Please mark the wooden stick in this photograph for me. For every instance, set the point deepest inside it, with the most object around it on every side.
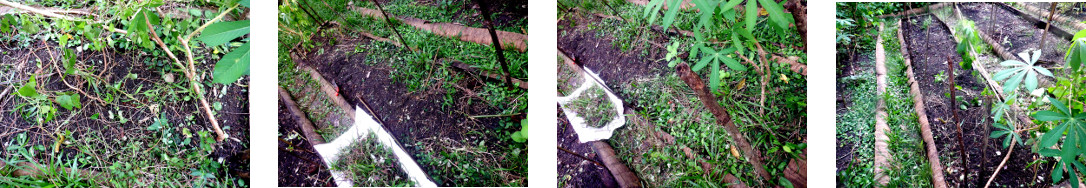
(520, 83)
(1048, 24)
(389, 22)
(1005, 158)
(957, 121)
(308, 130)
(581, 156)
(753, 155)
(484, 8)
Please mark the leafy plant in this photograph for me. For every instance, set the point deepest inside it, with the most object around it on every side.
(1006, 130)
(521, 136)
(594, 107)
(1068, 153)
(970, 40)
(236, 63)
(1076, 54)
(713, 58)
(1022, 72)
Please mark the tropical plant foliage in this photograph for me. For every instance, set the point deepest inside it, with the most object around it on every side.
(1019, 72)
(720, 15)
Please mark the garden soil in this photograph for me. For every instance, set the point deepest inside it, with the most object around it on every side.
(1014, 33)
(300, 165)
(92, 122)
(928, 49)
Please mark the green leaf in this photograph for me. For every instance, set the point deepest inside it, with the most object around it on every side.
(1004, 74)
(69, 101)
(776, 13)
(704, 59)
(28, 89)
(1077, 53)
(672, 12)
(1050, 137)
(714, 74)
(1049, 116)
(1059, 105)
(732, 64)
(1031, 81)
(751, 14)
(245, 3)
(1043, 71)
(232, 66)
(1012, 84)
(223, 32)
(69, 61)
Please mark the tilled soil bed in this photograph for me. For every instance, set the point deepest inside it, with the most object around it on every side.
(299, 162)
(426, 129)
(1015, 33)
(928, 49)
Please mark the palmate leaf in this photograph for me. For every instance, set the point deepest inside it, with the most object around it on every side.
(706, 9)
(232, 66)
(223, 32)
(1019, 72)
(1052, 136)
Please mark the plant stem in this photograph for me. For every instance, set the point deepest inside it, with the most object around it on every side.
(1047, 25)
(484, 8)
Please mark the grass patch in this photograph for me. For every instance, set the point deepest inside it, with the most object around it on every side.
(594, 106)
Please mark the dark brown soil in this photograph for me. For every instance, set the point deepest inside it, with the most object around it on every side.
(1013, 32)
(928, 50)
(582, 173)
(112, 66)
(299, 163)
(411, 117)
(599, 54)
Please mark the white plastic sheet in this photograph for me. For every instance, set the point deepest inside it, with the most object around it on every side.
(363, 125)
(586, 133)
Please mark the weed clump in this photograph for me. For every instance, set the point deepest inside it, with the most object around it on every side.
(594, 107)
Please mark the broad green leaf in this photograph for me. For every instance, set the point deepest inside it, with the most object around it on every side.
(69, 101)
(1077, 53)
(1031, 81)
(1043, 71)
(29, 90)
(1059, 105)
(1049, 116)
(738, 44)
(732, 64)
(1057, 172)
(1005, 73)
(245, 3)
(751, 14)
(1036, 56)
(232, 66)
(69, 61)
(223, 32)
(1050, 137)
(728, 6)
(1012, 84)
(707, 8)
(997, 134)
(776, 13)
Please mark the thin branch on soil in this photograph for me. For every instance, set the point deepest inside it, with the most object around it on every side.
(468, 68)
(484, 8)
(190, 72)
(1000, 167)
(581, 156)
(752, 154)
(491, 116)
(331, 91)
(307, 127)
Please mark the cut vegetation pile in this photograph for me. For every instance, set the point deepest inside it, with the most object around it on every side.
(455, 106)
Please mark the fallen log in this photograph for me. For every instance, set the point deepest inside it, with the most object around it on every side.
(308, 130)
(470, 34)
(622, 174)
(752, 155)
(1077, 24)
(937, 177)
(882, 152)
(331, 90)
(913, 11)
